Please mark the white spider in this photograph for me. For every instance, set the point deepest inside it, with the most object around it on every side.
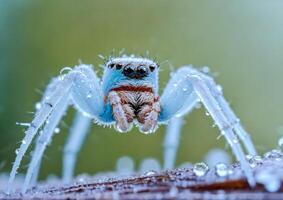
(126, 96)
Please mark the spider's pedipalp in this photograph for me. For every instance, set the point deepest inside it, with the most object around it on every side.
(78, 133)
(188, 86)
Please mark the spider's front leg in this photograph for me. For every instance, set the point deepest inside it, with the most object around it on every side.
(185, 89)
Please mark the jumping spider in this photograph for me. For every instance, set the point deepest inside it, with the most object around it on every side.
(127, 96)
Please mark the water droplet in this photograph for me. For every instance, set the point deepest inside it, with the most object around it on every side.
(274, 154)
(219, 88)
(175, 84)
(235, 141)
(17, 151)
(221, 169)
(47, 122)
(24, 142)
(207, 114)
(150, 173)
(65, 70)
(57, 130)
(89, 95)
(37, 106)
(254, 160)
(205, 69)
(185, 89)
(81, 180)
(200, 169)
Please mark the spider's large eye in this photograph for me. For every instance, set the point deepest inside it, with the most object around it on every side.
(119, 66)
(111, 65)
(152, 68)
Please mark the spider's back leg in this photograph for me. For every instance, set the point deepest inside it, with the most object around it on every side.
(78, 133)
(188, 86)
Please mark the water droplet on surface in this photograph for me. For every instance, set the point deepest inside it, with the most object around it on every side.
(207, 114)
(205, 69)
(254, 160)
(185, 89)
(17, 151)
(219, 88)
(89, 95)
(57, 130)
(200, 169)
(150, 173)
(221, 169)
(65, 70)
(274, 154)
(175, 84)
(37, 106)
(24, 142)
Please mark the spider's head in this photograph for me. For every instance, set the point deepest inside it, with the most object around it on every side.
(130, 70)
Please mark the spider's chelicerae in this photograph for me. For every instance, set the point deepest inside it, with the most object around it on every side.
(127, 96)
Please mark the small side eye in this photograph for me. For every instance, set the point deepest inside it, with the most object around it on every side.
(152, 68)
(111, 65)
(119, 66)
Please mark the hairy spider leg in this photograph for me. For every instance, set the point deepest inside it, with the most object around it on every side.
(44, 139)
(83, 86)
(187, 82)
(175, 91)
(171, 142)
(239, 130)
(226, 128)
(47, 106)
(78, 133)
(35, 173)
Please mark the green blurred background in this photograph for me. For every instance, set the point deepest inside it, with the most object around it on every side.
(242, 41)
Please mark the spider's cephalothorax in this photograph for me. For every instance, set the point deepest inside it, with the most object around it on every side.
(128, 94)
(130, 87)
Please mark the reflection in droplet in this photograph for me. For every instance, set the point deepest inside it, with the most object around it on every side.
(200, 169)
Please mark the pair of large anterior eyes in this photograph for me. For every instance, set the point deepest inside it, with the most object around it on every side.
(120, 66)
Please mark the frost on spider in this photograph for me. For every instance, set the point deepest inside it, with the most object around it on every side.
(125, 97)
